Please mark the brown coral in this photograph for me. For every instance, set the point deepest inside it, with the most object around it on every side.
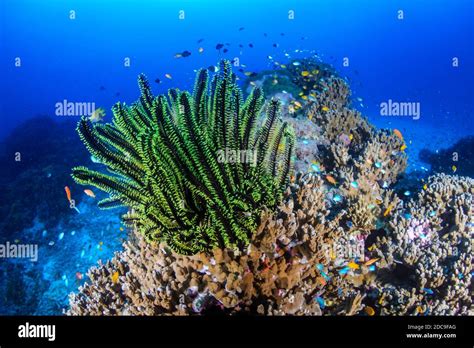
(342, 240)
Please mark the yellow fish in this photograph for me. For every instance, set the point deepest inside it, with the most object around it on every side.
(388, 210)
(425, 187)
(369, 310)
(305, 73)
(381, 298)
(315, 72)
(351, 136)
(325, 108)
(454, 168)
(403, 147)
(304, 97)
(353, 265)
(372, 247)
(298, 104)
(300, 94)
(115, 277)
(419, 309)
(168, 76)
(98, 115)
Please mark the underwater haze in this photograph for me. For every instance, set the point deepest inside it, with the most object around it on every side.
(414, 55)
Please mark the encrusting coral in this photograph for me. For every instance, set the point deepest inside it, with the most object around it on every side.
(343, 241)
(168, 162)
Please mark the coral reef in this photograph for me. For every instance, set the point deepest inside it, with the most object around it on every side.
(169, 162)
(343, 241)
(297, 81)
(276, 274)
(304, 261)
(427, 246)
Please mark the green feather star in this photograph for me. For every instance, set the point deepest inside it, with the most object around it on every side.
(164, 157)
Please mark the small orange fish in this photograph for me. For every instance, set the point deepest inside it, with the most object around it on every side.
(398, 134)
(331, 179)
(115, 277)
(322, 280)
(369, 310)
(68, 193)
(371, 261)
(89, 193)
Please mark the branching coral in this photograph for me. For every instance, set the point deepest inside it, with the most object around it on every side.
(167, 163)
(427, 247)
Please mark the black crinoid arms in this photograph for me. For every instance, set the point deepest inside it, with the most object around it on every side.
(195, 170)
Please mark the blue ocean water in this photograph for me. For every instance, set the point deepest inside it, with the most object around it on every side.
(92, 51)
